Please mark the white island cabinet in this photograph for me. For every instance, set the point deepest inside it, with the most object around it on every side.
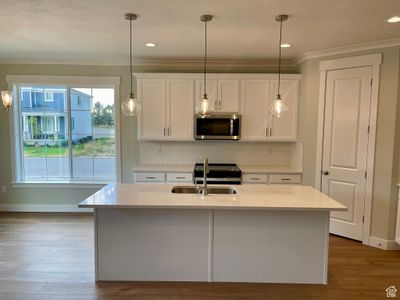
(264, 233)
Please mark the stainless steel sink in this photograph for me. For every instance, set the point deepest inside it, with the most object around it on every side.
(211, 190)
(185, 190)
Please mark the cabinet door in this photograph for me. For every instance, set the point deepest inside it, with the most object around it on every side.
(255, 94)
(285, 127)
(212, 93)
(148, 177)
(180, 111)
(228, 95)
(152, 122)
(285, 178)
(255, 178)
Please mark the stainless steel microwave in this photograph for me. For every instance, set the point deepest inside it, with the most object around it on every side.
(217, 126)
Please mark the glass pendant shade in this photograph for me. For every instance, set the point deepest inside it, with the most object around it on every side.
(7, 98)
(130, 106)
(278, 107)
(203, 107)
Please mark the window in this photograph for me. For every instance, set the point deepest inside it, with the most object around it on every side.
(72, 138)
(48, 96)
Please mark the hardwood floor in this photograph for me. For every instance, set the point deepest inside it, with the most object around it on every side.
(50, 256)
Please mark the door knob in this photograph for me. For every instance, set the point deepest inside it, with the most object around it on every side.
(325, 173)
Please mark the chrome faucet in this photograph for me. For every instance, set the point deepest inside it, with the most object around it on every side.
(205, 172)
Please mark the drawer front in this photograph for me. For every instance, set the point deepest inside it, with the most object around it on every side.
(255, 178)
(179, 177)
(149, 177)
(285, 178)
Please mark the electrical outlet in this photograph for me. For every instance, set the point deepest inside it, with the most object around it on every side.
(4, 189)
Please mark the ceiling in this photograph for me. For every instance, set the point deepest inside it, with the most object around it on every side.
(95, 31)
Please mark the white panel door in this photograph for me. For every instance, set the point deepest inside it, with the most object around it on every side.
(347, 103)
(285, 127)
(228, 95)
(254, 111)
(212, 93)
(180, 111)
(151, 92)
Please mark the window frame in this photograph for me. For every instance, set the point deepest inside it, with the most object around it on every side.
(48, 99)
(16, 81)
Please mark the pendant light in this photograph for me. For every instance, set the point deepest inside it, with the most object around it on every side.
(203, 107)
(130, 106)
(7, 98)
(278, 105)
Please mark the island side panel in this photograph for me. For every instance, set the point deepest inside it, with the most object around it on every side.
(152, 244)
(270, 246)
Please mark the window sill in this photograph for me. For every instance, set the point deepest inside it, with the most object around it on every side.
(59, 184)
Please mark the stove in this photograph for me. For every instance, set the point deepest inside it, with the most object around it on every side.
(218, 173)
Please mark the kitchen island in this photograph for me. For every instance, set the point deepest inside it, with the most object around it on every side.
(264, 233)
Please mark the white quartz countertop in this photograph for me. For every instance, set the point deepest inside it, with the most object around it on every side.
(243, 167)
(249, 196)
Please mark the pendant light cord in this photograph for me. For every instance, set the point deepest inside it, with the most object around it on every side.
(280, 57)
(205, 59)
(130, 54)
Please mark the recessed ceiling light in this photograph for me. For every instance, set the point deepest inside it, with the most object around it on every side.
(286, 45)
(394, 19)
(150, 44)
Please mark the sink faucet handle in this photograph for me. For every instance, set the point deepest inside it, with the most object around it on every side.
(206, 169)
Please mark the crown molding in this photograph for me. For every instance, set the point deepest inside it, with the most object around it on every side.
(347, 49)
(184, 65)
(212, 65)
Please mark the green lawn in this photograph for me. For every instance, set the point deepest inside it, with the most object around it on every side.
(102, 147)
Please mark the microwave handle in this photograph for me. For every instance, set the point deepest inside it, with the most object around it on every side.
(231, 128)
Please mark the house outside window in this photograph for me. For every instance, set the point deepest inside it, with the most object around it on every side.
(71, 138)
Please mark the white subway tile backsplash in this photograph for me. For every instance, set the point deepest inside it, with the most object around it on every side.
(273, 154)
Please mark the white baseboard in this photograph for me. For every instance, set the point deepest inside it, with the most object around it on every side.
(383, 244)
(8, 207)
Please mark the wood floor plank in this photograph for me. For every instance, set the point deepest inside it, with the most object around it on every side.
(50, 257)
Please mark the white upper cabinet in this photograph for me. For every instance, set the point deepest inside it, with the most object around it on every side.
(180, 100)
(167, 109)
(285, 127)
(152, 119)
(257, 122)
(223, 94)
(228, 95)
(255, 100)
(168, 104)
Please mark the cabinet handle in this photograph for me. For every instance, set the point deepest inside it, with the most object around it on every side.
(169, 130)
(270, 132)
(255, 178)
(266, 131)
(285, 179)
(150, 177)
(219, 104)
(164, 131)
(180, 177)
